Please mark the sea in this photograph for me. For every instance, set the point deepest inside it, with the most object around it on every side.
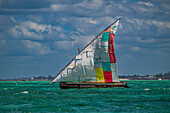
(143, 96)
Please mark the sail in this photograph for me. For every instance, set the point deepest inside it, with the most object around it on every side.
(95, 63)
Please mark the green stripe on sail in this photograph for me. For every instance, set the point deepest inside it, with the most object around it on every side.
(104, 46)
(97, 62)
(114, 26)
(105, 36)
(91, 64)
(106, 66)
(85, 69)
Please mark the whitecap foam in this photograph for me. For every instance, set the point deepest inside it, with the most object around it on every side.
(25, 92)
(146, 89)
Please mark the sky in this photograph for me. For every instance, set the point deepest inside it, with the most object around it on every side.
(39, 37)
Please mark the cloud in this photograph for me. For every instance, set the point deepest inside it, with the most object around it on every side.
(166, 44)
(35, 48)
(161, 24)
(13, 20)
(146, 40)
(93, 4)
(87, 25)
(141, 26)
(35, 18)
(3, 44)
(82, 25)
(63, 45)
(135, 49)
(118, 46)
(93, 21)
(31, 30)
(5, 22)
(59, 7)
(82, 41)
(146, 4)
(165, 6)
(58, 28)
(83, 8)
(38, 28)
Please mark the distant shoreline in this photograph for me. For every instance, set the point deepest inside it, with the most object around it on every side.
(119, 79)
(159, 76)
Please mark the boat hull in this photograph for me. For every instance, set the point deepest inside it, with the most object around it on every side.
(81, 85)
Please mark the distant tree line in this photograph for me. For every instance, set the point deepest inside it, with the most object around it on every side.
(161, 75)
(43, 77)
(156, 76)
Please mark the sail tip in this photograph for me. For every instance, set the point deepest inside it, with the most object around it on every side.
(119, 18)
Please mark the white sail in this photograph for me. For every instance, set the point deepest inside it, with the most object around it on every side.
(95, 63)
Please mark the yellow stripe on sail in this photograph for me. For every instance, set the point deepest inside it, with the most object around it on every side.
(99, 74)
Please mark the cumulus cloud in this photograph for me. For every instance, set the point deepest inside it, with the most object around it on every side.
(83, 40)
(145, 26)
(135, 49)
(35, 48)
(94, 4)
(6, 22)
(161, 24)
(54, 7)
(82, 8)
(63, 45)
(13, 20)
(58, 28)
(35, 18)
(83, 25)
(59, 7)
(31, 30)
(93, 21)
(146, 4)
(88, 8)
(146, 40)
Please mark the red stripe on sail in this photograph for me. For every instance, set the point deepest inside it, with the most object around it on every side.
(108, 76)
(111, 48)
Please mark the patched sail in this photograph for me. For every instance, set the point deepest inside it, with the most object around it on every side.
(95, 63)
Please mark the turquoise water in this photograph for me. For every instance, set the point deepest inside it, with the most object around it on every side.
(40, 96)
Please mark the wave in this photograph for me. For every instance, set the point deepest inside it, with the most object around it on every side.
(25, 92)
(146, 89)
